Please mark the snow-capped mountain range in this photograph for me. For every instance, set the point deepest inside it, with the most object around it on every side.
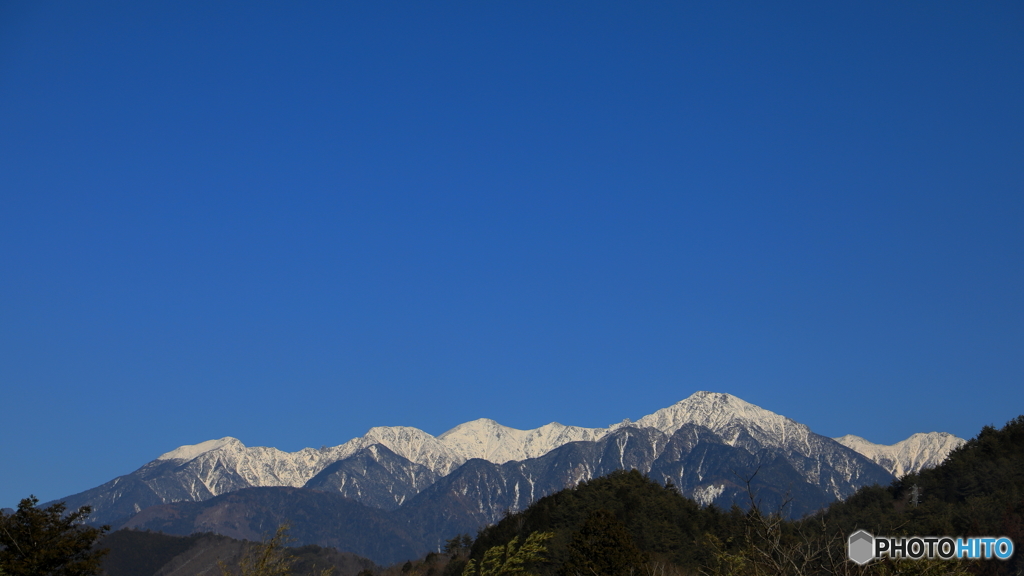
(473, 473)
(226, 464)
(221, 466)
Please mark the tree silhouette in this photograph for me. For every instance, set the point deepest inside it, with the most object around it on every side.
(48, 542)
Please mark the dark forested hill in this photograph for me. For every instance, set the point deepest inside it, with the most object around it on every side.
(144, 553)
(659, 522)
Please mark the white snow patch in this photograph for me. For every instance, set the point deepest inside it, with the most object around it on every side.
(194, 450)
(486, 439)
(705, 495)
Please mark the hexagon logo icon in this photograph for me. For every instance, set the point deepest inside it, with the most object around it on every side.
(860, 547)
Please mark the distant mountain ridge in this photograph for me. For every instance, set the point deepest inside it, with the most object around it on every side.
(908, 456)
(486, 439)
(709, 446)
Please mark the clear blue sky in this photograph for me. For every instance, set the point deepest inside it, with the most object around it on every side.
(289, 222)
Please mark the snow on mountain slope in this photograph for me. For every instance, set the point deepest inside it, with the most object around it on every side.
(413, 444)
(728, 416)
(907, 456)
(191, 451)
(486, 439)
(481, 438)
(224, 465)
(821, 461)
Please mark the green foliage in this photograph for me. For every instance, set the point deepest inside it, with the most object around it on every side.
(511, 559)
(48, 542)
(457, 549)
(455, 567)
(603, 546)
(722, 561)
(458, 545)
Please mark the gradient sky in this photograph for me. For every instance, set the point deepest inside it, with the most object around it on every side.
(289, 222)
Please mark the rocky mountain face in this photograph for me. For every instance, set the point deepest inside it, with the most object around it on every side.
(407, 486)
(375, 476)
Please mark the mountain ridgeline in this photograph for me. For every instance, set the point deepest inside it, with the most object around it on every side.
(408, 491)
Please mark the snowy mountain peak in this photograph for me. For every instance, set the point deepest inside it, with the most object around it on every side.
(487, 439)
(192, 451)
(906, 456)
(393, 434)
(412, 444)
(625, 422)
(719, 412)
(480, 425)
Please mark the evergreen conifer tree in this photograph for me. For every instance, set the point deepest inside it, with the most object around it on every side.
(603, 546)
(48, 542)
(511, 559)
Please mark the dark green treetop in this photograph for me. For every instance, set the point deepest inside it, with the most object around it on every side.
(47, 542)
